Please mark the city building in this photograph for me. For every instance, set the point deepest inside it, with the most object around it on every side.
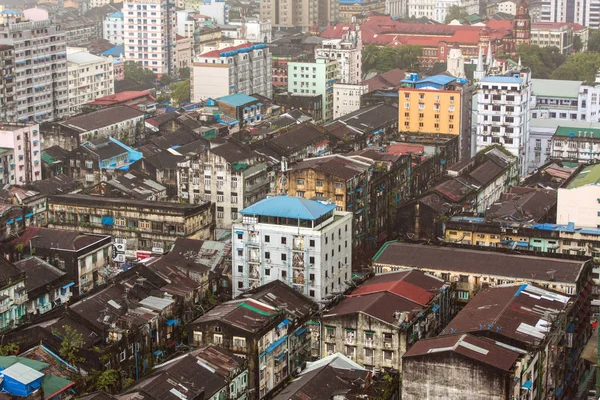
(184, 50)
(578, 198)
(47, 286)
(141, 99)
(312, 78)
(473, 270)
(139, 227)
(351, 11)
(299, 13)
(216, 10)
(255, 30)
(20, 154)
(13, 306)
(295, 240)
(84, 257)
(149, 28)
(123, 123)
(267, 327)
(576, 144)
(112, 28)
(90, 77)
(131, 185)
(245, 68)
(382, 318)
(40, 69)
(503, 114)
(26, 376)
(346, 98)
(436, 107)
(506, 7)
(586, 13)
(230, 175)
(347, 52)
(395, 8)
(565, 100)
(8, 104)
(553, 34)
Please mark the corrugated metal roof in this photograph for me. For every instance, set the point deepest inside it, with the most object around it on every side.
(555, 88)
(22, 373)
(156, 303)
(289, 207)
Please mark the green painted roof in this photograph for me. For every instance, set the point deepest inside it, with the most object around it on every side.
(568, 131)
(53, 384)
(7, 361)
(555, 88)
(589, 175)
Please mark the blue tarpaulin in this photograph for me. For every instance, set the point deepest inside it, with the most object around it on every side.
(280, 357)
(10, 222)
(283, 323)
(158, 353)
(68, 285)
(108, 220)
(19, 219)
(28, 215)
(275, 344)
(527, 385)
(300, 331)
(171, 322)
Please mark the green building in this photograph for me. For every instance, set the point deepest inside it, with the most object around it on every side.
(310, 78)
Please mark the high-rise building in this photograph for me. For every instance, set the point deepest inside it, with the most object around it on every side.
(243, 69)
(503, 113)
(8, 105)
(112, 28)
(299, 13)
(90, 77)
(395, 8)
(347, 52)
(149, 28)
(20, 154)
(584, 12)
(304, 243)
(310, 78)
(40, 69)
(218, 10)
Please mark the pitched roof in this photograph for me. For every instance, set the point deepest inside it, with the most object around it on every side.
(233, 152)
(297, 139)
(523, 204)
(519, 312)
(336, 165)
(101, 118)
(368, 119)
(121, 97)
(289, 207)
(247, 314)
(237, 99)
(479, 349)
(39, 273)
(444, 258)
(279, 295)
(47, 238)
(385, 80)
(555, 88)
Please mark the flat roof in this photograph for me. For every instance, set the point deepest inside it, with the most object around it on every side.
(237, 99)
(575, 132)
(289, 207)
(445, 258)
(589, 175)
(83, 57)
(555, 88)
(502, 79)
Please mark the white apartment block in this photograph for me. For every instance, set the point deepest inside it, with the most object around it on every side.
(584, 12)
(304, 243)
(186, 25)
(255, 30)
(565, 100)
(220, 175)
(90, 77)
(112, 28)
(553, 34)
(217, 10)
(579, 199)
(503, 114)
(240, 69)
(20, 154)
(149, 28)
(577, 144)
(347, 52)
(438, 9)
(507, 7)
(346, 98)
(395, 8)
(40, 69)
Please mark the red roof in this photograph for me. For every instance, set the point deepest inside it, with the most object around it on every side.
(577, 27)
(217, 53)
(549, 25)
(405, 148)
(121, 97)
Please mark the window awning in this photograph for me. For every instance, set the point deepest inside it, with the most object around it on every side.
(275, 344)
(300, 331)
(10, 222)
(158, 353)
(19, 219)
(281, 356)
(283, 323)
(171, 322)
(68, 285)
(527, 385)
(28, 215)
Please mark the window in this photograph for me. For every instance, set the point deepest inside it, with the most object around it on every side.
(311, 260)
(267, 238)
(388, 355)
(240, 268)
(218, 338)
(267, 255)
(197, 338)
(283, 257)
(283, 240)
(311, 293)
(463, 295)
(240, 235)
(300, 193)
(311, 243)
(300, 182)
(267, 272)
(319, 183)
(123, 355)
(239, 341)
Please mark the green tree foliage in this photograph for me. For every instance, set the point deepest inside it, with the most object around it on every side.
(9, 350)
(577, 43)
(138, 73)
(542, 60)
(180, 92)
(594, 41)
(579, 67)
(108, 381)
(72, 341)
(455, 12)
(376, 59)
(165, 79)
(184, 73)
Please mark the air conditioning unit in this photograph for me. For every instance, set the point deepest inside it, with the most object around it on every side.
(387, 345)
(456, 279)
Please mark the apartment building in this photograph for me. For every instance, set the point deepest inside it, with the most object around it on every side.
(576, 144)
(229, 175)
(503, 114)
(346, 98)
(437, 10)
(149, 28)
(140, 227)
(13, 306)
(20, 154)
(300, 13)
(41, 89)
(216, 10)
(8, 104)
(112, 28)
(379, 321)
(586, 13)
(184, 50)
(565, 100)
(350, 11)
(446, 98)
(90, 77)
(395, 8)
(295, 240)
(347, 52)
(314, 78)
(553, 34)
(245, 68)
(578, 198)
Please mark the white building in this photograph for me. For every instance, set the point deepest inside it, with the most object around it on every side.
(218, 10)
(577, 144)
(20, 154)
(240, 69)
(90, 77)
(552, 34)
(347, 52)
(40, 69)
(255, 30)
(438, 9)
(230, 176)
(149, 34)
(346, 98)
(584, 12)
(305, 243)
(578, 199)
(503, 105)
(112, 28)
(565, 100)
(507, 7)
(186, 25)
(395, 8)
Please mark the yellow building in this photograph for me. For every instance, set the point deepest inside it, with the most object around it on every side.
(360, 10)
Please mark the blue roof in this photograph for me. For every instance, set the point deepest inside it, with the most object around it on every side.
(289, 207)
(570, 228)
(117, 14)
(438, 79)
(10, 12)
(114, 51)
(502, 79)
(237, 99)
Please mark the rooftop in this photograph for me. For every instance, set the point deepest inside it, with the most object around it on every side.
(521, 313)
(523, 204)
(578, 132)
(555, 88)
(247, 314)
(137, 186)
(237, 99)
(336, 165)
(39, 274)
(84, 57)
(121, 97)
(480, 262)
(588, 175)
(289, 207)
(233, 152)
(369, 119)
(482, 350)
(281, 296)
(101, 118)
(502, 79)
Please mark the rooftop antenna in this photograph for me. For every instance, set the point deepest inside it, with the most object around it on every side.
(283, 179)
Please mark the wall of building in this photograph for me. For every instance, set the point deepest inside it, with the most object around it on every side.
(580, 206)
(429, 111)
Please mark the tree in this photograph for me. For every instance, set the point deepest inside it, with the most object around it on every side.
(541, 60)
(184, 73)
(108, 381)
(9, 350)
(383, 59)
(165, 79)
(579, 67)
(72, 341)
(369, 57)
(455, 12)
(577, 43)
(138, 73)
(594, 41)
(180, 92)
